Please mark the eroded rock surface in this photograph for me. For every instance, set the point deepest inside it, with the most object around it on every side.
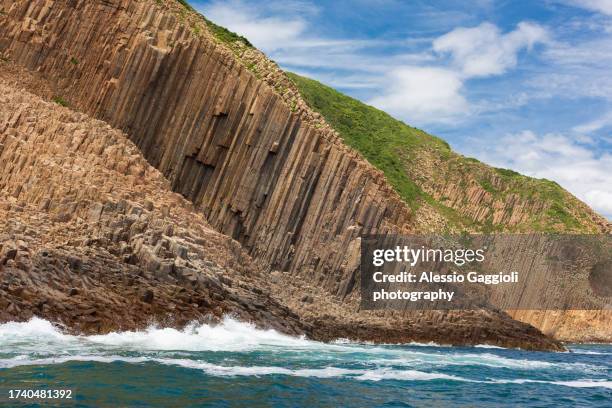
(263, 170)
(260, 170)
(92, 237)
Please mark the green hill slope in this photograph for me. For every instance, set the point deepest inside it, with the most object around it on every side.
(446, 191)
(453, 191)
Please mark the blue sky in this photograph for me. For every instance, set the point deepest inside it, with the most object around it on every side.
(525, 84)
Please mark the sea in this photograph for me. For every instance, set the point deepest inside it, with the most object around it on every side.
(234, 364)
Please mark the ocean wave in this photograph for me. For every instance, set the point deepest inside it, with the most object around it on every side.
(595, 353)
(481, 359)
(582, 383)
(38, 339)
(229, 335)
(489, 346)
(378, 374)
(232, 371)
(35, 328)
(407, 375)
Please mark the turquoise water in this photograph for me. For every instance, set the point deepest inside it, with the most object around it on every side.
(234, 364)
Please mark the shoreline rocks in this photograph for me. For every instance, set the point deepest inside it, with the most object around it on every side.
(92, 237)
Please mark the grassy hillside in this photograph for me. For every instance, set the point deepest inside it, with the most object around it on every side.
(446, 190)
(424, 171)
(380, 138)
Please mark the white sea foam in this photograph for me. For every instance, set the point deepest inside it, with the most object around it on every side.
(585, 383)
(489, 346)
(596, 353)
(377, 374)
(482, 359)
(38, 342)
(34, 328)
(229, 335)
(406, 375)
(232, 371)
(428, 344)
(582, 383)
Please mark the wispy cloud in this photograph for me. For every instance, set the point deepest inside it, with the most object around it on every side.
(422, 93)
(286, 32)
(595, 125)
(416, 80)
(434, 92)
(276, 25)
(484, 50)
(600, 6)
(462, 70)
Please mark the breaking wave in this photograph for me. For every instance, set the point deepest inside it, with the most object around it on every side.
(197, 347)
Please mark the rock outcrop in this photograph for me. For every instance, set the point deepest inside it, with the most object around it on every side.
(453, 193)
(294, 195)
(265, 171)
(92, 237)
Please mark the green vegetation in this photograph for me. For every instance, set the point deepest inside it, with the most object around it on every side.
(398, 149)
(487, 186)
(60, 101)
(74, 61)
(186, 5)
(420, 166)
(221, 33)
(224, 35)
(507, 172)
(381, 139)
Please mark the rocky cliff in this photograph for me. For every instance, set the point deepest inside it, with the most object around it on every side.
(92, 237)
(231, 134)
(448, 192)
(293, 194)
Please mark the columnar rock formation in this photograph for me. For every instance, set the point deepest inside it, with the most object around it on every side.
(292, 194)
(92, 237)
(259, 166)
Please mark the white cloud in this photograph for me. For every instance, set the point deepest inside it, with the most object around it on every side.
(578, 168)
(600, 6)
(418, 86)
(268, 32)
(284, 30)
(422, 93)
(594, 125)
(424, 80)
(580, 69)
(601, 200)
(433, 93)
(484, 50)
(595, 53)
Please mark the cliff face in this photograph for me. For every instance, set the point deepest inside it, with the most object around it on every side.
(486, 199)
(230, 134)
(449, 192)
(292, 194)
(91, 235)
